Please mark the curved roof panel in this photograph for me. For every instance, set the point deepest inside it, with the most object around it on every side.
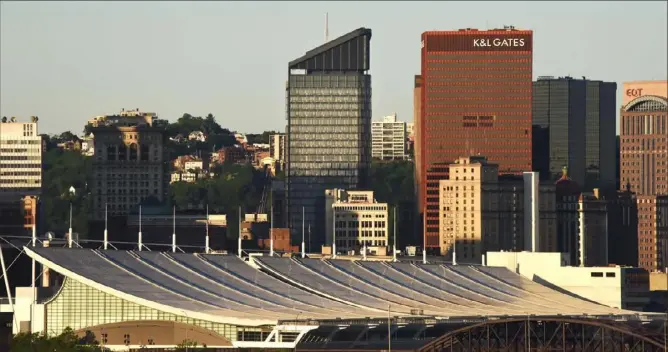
(223, 288)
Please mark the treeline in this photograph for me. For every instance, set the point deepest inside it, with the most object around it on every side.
(68, 341)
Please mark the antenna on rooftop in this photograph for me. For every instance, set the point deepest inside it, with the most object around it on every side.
(326, 27)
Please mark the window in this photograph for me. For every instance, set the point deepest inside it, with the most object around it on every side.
(596, 274)
(609, 274)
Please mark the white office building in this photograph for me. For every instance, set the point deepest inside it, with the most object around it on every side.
(20, 158)
(357, 220)
(388, 139)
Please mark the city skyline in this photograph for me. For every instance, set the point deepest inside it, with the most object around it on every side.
(78, 81)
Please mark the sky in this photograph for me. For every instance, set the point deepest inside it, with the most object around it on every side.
(67, 62)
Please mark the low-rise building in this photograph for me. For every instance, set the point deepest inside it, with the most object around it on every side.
(197, 136)
(613, 286)
(233, 154)
(354, 219)
(189, 170)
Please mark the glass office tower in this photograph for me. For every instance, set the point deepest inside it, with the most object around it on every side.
(574, 126)
(328, 100)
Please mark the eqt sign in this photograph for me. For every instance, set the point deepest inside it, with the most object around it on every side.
(634, 92)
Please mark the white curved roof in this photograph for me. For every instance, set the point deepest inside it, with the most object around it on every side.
(223, 288)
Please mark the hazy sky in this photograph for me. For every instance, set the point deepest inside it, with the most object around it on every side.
(69, 61)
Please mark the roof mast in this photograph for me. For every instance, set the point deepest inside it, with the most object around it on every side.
(326, 27)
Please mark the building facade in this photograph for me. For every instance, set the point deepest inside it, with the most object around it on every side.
(480, 212)
(652, 232)
(130, 163)
(612, 286)
(328, 97)
(644, 144)
(574, 126)
(388, 139)
(623, 229)
(644, 165)
(20, 159)
(355, 220)
(277, 147)
(475, 100)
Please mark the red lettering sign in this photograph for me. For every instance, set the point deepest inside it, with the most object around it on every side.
(634, 92)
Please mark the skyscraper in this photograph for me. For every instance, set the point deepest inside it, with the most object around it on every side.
(644, 148)
(643, 139)
(574, 127)
(328, 97)
(475, 92)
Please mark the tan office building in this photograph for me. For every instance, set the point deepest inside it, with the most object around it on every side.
(357, 220)
(480, 212)
(20, 159)
(130, 162)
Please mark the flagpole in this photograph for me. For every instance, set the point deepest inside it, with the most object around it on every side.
(106, 234)
(239, 244)
(271, 225)
(140, 239)
(174, 229)
(206, 244)
(394, 251)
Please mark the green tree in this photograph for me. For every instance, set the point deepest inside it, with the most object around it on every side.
(231, 187)
(62, 170)
(67, 341)
(189, 346)
(393, 183)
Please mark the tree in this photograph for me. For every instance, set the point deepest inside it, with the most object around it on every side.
(393, 182)
(189, 346)
(262, 138)
(62, 170)
(67, 341)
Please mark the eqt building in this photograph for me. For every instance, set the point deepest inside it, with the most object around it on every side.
(474, 98)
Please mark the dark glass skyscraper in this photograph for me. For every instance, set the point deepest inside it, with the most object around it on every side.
(328, 98)
(574, 127)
